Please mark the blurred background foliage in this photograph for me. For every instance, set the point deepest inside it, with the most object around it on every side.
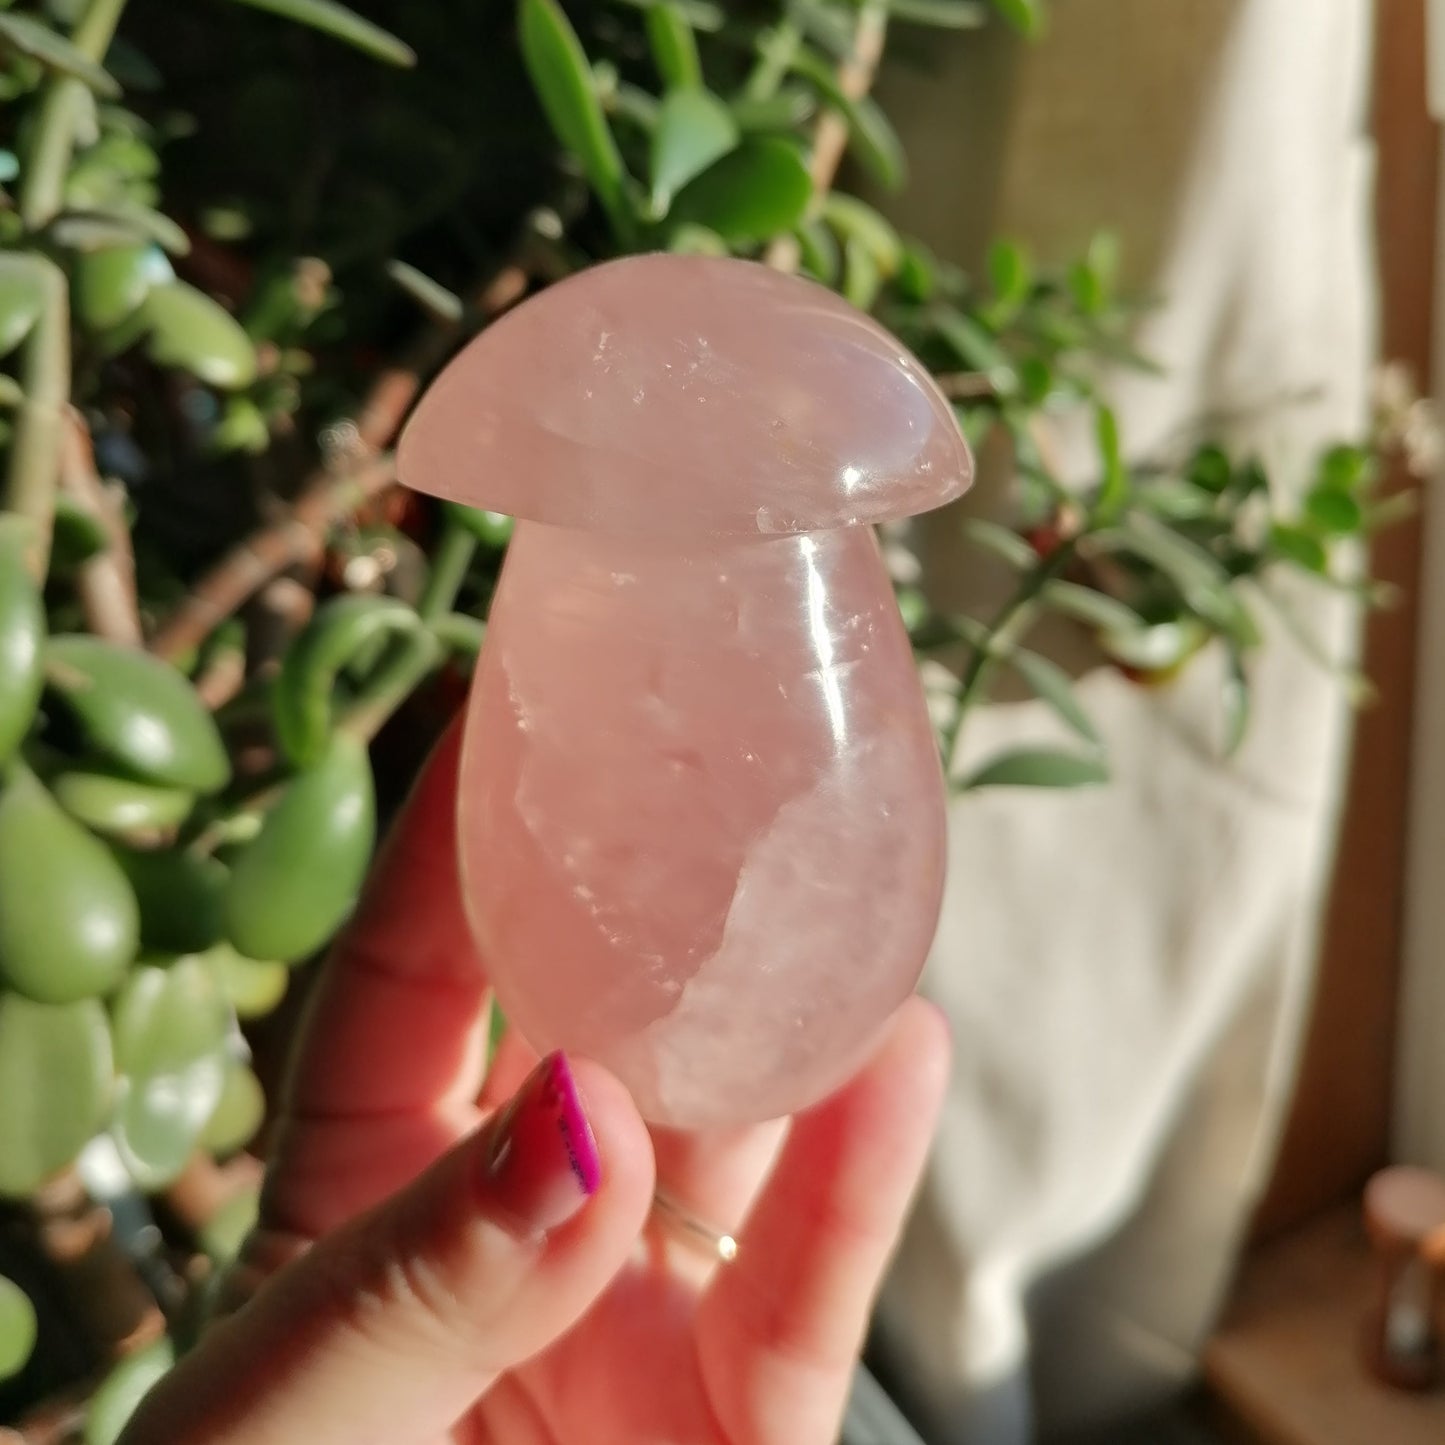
(238, 238)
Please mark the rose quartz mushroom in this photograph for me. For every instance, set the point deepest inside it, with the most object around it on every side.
(701, 814)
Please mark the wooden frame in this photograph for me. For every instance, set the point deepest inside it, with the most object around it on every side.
(1340, 1126)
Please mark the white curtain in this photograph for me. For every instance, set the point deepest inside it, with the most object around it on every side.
(1128, 969)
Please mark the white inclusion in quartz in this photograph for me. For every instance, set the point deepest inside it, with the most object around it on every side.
(795, 944)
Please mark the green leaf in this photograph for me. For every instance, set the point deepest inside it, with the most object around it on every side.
(79, 536)
(1011, 273)
(110, 285)
(1334, 511)
(225, 1231)
(860, 274)
(917, 272)
(300, 877)
(1026, 16)
(242, 428)
(1201, 581)
(1345, 468)
(1038, 768)
(1210, 470)
(693, 240)
(187, 329)
(632, 103)
(871, 137)
(171, 1026)
(1159, 647)
(69, 922)
(1300, 547)
(22, 298)
(674, 47)
(121, 1392)
(755, 192)
(341, 24)
(977, 348)
(694, 129)
(785, 110)
(818, 249)
(118, 805)
(1002, 542)
(139, 711)
(945, 14)
(850, 217)
(875, 145)
(1236, 700)
(253, 987)
(563, 81)
(37, 40)
(1095, 609)
(118, 223)
(238, 1113)
(1114, 486)
(181, 895)
(17, 1328)
(55, 1086)
(913, 608)
(1053, 686)
(702, 15)
(1176, 500)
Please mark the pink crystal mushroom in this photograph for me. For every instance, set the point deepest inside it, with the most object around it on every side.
(701, 814)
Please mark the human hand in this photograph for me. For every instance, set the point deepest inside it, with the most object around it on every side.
(431, 1266)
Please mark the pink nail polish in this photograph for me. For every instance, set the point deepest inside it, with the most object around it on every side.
(543, 1164)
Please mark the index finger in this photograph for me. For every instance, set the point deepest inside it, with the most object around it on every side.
(392, 1050)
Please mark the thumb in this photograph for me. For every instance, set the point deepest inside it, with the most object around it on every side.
(390, 1329)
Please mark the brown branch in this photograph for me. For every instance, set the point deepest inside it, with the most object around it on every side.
(964, 385)
(326, 498)
(106, 582)
(830, 138)
(269, 551)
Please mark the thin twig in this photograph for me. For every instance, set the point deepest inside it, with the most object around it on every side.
(830, 139)
(964, 385)
(271, 550)
(326, 498)
(106, 582)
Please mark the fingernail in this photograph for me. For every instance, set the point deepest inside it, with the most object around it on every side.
(543, 1164)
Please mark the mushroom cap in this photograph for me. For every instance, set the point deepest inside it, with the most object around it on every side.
(686, 396)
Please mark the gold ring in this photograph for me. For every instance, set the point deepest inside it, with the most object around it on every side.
(693, 1229)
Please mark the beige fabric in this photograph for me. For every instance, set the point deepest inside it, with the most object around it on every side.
(1127, 969)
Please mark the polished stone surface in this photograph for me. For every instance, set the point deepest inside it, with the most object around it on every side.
(701, 813)
(686, 395)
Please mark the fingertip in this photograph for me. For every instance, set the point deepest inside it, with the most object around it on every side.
(623, 1142)
(926, 1033)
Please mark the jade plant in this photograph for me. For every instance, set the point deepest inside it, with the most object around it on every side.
(217, 604)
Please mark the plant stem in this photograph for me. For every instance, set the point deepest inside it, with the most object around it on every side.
(411, 658)
(1008, 624)
(106, 582)
(45, 380)
(45, 360)
(43, 190)
(776, 55)
(830, 139)
(454, 555)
